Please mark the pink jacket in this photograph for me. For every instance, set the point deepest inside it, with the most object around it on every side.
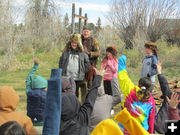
(111, 67)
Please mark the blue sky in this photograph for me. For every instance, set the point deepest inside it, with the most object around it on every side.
(94, 9)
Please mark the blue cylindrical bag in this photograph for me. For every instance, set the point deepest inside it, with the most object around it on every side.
(52, 116)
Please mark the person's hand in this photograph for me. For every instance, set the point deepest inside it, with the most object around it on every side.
(36, 60)
(101, 72)
(173, 102)
(109, 62)
(159, 68)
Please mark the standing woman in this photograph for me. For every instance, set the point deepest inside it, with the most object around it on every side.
(74, 62)
(110, 65)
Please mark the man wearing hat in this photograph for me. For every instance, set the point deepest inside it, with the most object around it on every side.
(91, 47)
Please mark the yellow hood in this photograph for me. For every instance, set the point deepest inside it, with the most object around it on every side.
(107, 127)
(8, 99)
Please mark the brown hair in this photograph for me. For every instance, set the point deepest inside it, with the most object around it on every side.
(145, 85)
(152, 46)
(112, 50)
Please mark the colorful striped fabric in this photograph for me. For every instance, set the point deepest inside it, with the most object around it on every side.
(143, 112)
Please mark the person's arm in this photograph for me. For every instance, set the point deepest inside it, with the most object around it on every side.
(153, 70)
(61, 61)
(151, 118)
(28, 127)
(116, 97)
(130, 123)
(172, 108)
(104, 64)
(96, 51)
(125, 83)
(87, 108)
(163, 82)
(164, 86)
(31, 75)
(113, 65)
(86, 62)
(173, 113)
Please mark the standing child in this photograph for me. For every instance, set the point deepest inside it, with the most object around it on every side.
(36, 95)
(149, 65)
(137, 99)
(110, 65)
(75, 63)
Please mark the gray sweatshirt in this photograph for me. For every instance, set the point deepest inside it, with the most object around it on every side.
(104, 104)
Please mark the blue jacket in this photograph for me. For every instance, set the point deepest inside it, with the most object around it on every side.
(149, 67)
(36, 100)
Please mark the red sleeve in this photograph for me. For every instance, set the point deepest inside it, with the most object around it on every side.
(152, 118)
(173, 113)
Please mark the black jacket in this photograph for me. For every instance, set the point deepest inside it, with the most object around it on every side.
(74, 117)
(162, 115)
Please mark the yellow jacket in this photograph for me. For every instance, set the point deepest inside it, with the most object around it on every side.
(109, 127)
(8, 103)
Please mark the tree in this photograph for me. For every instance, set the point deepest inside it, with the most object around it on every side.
(66, 20)
(136, 18)
(43, 24)
(98, 23)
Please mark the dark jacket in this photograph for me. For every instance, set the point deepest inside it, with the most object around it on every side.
(162, 115)
(36, 100)
(74, 117)
(83, 62)
(91, 45)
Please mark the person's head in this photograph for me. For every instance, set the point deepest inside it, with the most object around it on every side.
(101, 91)
(9, 99)
(145, 86)
(11, 128)
(75, 41)
(68, 85)
(86, 32)
(150, 48)
(39, 82)
(111, 51)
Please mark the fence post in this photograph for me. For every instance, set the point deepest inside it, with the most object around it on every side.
(73, 18)
(80, 13)
(85, 21)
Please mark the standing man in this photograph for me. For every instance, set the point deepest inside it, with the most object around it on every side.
(91, 47)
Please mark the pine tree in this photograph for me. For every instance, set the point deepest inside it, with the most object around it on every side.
(99, 23)
(66, 20)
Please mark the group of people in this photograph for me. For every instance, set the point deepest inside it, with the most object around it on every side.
(61, 111)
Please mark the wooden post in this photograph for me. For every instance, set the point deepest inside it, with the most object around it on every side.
(80, 13)
(85, 21)
(73, 18)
